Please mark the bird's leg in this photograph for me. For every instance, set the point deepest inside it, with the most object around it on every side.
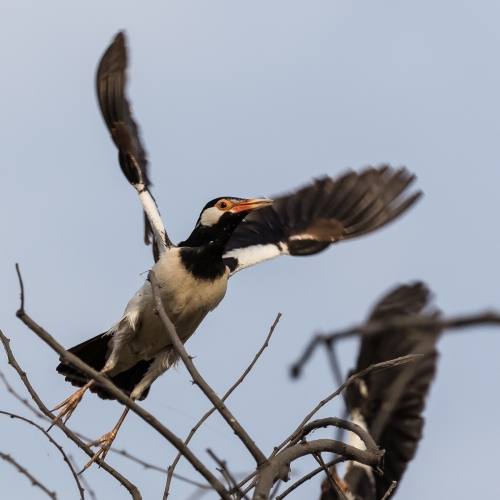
(107, 441)
(69, 405)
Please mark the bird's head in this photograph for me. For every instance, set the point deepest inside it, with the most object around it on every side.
(220, 217)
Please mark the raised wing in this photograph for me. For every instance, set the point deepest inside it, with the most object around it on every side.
(389, 403)
(329, 210)
(115, 108)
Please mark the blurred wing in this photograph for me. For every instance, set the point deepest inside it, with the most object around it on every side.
(115, 108)
(389, 403)
(307, 221)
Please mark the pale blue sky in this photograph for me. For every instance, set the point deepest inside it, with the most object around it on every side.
(247, 99)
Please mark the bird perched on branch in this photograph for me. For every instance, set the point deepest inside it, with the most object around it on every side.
(193, 275)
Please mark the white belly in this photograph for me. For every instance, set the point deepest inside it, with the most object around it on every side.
(186, 299)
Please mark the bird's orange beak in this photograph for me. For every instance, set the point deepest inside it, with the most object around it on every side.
(249, 205)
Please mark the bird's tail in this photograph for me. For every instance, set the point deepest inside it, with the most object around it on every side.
(93, 352)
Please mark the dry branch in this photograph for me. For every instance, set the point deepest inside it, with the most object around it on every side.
(25, 471)
(210, 412)
(372, 368)
(123, 453)
(247, 441)
(402, 324)
(132, 489)
(122, 398)
(305, 478)
(55, 443)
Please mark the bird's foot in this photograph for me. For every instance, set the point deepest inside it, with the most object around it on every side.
(69, 405)
(106, 441)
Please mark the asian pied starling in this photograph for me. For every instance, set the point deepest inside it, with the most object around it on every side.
(193, 275)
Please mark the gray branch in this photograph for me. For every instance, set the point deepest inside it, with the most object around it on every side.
(401, 324)
(210, 412)
(23, 470)
(259, 457)
(132, 489)
(55, 443)
(105, 382)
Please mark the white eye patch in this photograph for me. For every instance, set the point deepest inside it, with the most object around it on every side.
(210, 216)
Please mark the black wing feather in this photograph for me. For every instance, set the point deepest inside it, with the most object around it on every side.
(392, 401)
(111, 82)
(307, 221)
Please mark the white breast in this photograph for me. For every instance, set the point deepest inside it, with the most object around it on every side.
(186, 299)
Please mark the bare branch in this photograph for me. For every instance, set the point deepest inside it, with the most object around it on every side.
(24, 471)
(24, 401)
(275, 490)
(55, 443)
(372, 368)
(230, 478)
(211, 411)
(84, 481)
(331, 479)
(132, 489)
(390, 490)
(123, 453)
(311, 474)
(259, 457)
(21, 284)
(125, 400)
(279, 466)
(337, 422)
(424, 322)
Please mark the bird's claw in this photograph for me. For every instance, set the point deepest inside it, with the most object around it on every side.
(106, 441)
(69, 405)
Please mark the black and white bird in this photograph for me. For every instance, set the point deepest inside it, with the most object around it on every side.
(389, 403)
(230, 234)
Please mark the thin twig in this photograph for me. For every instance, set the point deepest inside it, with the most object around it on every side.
(211, 411)
(106, 383)
(132, 489)
(252, 484)
(84, 481)
(372, 368)
(334, 363)
(55, 443)
(337, 422)
(25, 471)
(237, 428)
(275, 490)
(123, 453)
(338, 490)
(423, 322)
(246, 479)
(279, 466)
(21, 284)
(390, 490)
(226, 472)
(24, 401)
(311, 474)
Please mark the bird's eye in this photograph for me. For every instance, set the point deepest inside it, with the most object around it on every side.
(224, 205)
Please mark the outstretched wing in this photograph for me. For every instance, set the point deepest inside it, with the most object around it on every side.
(329, 210)
(389, 403)
(110, 83)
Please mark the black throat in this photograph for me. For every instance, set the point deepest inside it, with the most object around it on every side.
(202, 252)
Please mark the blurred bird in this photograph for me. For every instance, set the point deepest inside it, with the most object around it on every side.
(389, 403)
(193, 275)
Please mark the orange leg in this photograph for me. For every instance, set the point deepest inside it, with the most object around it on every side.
(107, 441)
(69, 405)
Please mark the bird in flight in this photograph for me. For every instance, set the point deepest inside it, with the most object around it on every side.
(389, 403)
(230, 234)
